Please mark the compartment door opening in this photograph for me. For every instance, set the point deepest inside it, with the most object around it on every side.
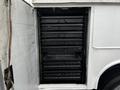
(62, 43)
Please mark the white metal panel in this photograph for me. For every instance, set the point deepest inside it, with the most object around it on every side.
(106, 27)
(81, 1)
(3, 42)
(62, 87)
(24, 47)
(38, 2)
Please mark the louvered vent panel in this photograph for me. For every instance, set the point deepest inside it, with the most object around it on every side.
(62, 48)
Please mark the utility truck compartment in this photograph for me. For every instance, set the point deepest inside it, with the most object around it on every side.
(62, 44)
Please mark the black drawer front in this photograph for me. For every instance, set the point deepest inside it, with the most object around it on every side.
(62, 47)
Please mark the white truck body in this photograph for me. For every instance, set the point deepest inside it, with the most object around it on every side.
(103, 49)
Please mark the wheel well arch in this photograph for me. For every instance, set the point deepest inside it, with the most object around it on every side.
(106, 76)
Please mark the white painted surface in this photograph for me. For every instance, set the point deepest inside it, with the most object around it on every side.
(104, 54)
(106, 27)
(81, 1)
(39, 3)
(3, 41)
(62, 86)
(24, 52)
(3, 35)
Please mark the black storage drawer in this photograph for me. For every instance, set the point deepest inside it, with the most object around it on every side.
(62, 41)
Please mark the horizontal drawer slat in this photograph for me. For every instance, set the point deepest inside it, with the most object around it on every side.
(61, 71)
(59, 17)
(62, 74)
(62, 67)
(57, 35)
(62, 42)
(62, 62)
(61, 58)
(61, 21)
(61, 25)
(65, 28)
(65, 78)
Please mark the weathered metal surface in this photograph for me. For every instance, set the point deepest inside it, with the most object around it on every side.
(3, 41)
